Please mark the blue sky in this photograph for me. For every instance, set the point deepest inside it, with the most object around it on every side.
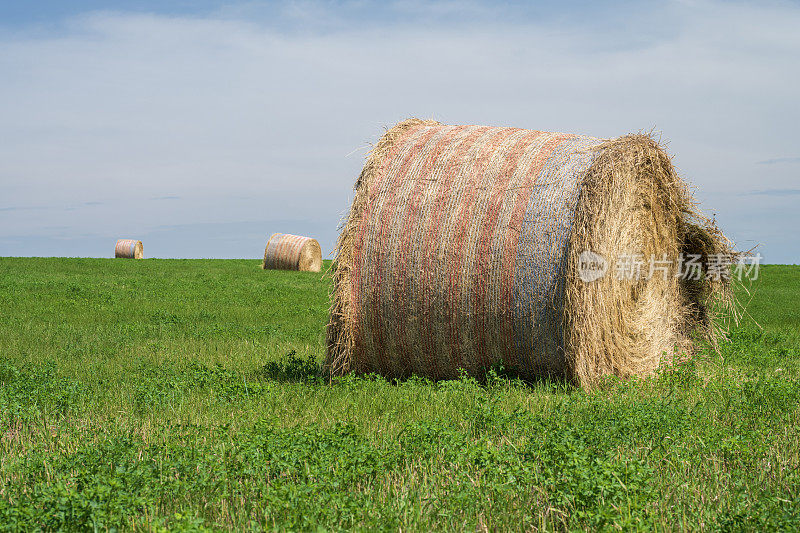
(201, 127)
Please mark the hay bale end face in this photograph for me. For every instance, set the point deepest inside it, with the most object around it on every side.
(129, 249)
(464, 247)
(292, 252)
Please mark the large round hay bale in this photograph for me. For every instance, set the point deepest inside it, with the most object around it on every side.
(292, 252)
(466, 246)
(129, 249)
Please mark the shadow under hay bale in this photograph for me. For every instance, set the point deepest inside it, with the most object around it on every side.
(129, 249)
(292, 252)
(465, 246)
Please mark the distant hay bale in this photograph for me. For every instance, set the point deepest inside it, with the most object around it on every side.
(129, 249)
(292, 252)
(466, 246)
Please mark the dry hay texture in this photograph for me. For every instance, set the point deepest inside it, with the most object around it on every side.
(292, 252)
(129, 249)
(462, 245)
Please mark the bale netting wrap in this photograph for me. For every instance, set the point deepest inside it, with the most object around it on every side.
(463, 248)
(129, 249)
(292, 252)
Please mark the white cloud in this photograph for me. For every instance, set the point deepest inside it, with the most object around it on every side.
(250, 114)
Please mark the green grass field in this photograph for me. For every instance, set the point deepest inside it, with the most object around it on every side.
(184, 394)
